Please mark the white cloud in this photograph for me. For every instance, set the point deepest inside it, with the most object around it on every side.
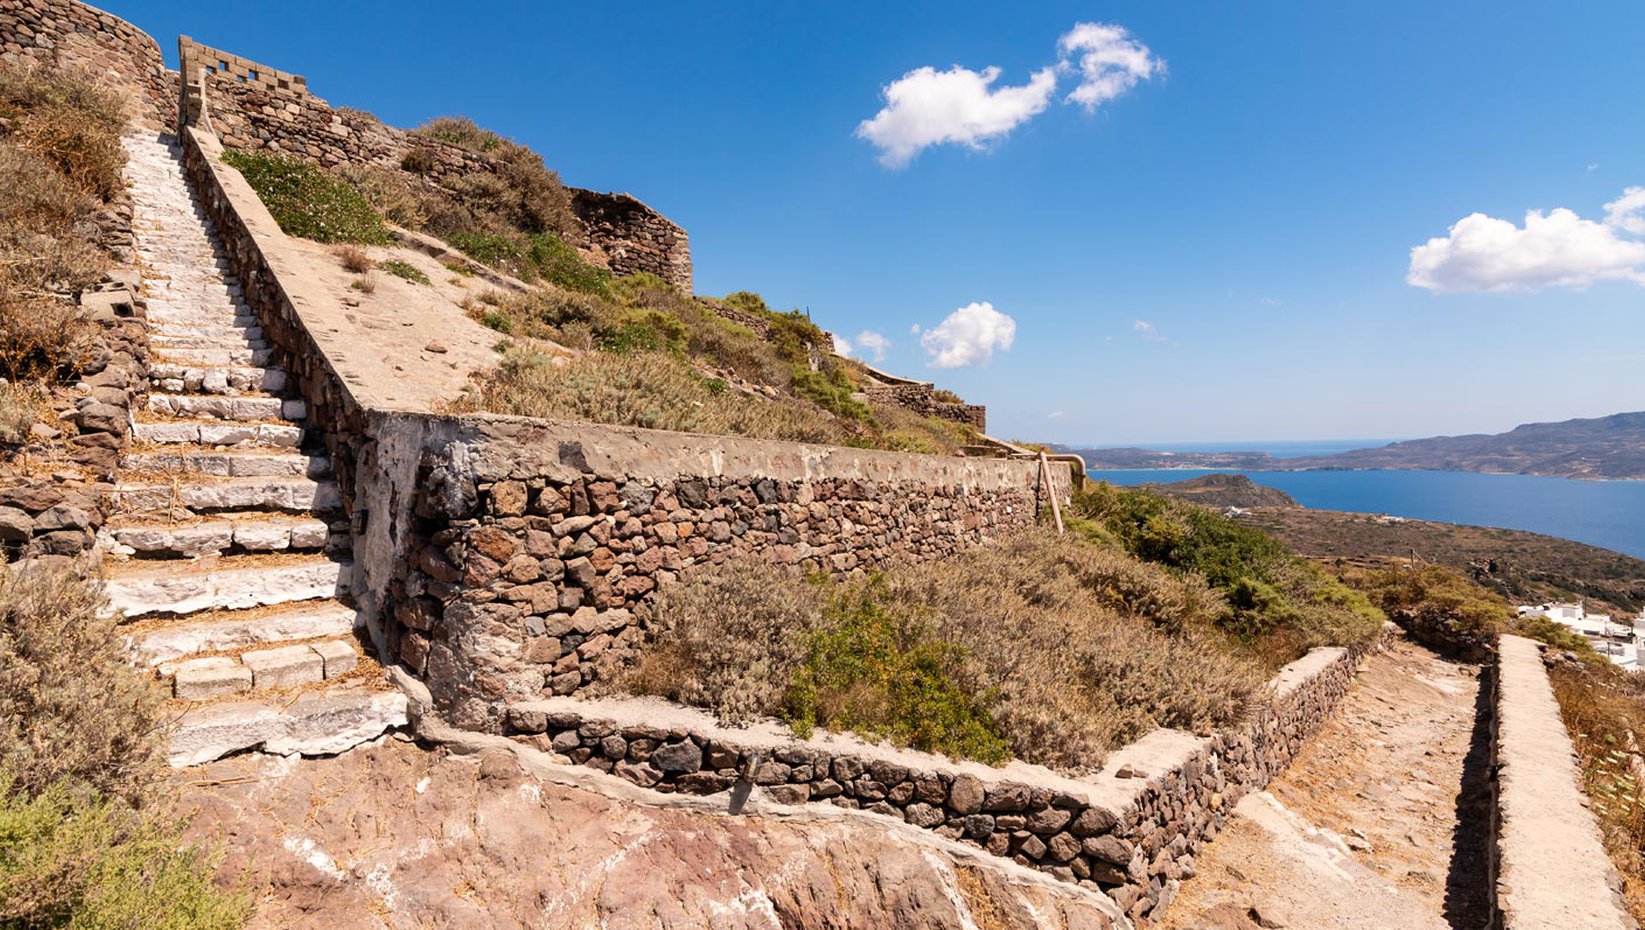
(1056, 415)
(1592, 167)
(1627, 212)
(969, 336)
(842, 345)
(1553, 249)
(927, 107)
(1147, 331)
(1109, 60)
(873, 344)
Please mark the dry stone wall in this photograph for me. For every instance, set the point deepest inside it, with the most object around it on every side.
(68, 34)
(534, 547)
(923, 400)
(633, 237)
(1131, 830)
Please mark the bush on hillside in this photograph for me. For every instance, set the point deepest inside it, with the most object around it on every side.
(1279, 605)
(1044, 648)
(18, 404)
(520, 194)
(308, 201)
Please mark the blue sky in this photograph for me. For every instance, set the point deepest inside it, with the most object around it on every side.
(1217, 250)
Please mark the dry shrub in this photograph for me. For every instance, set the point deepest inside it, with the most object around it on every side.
(70, 705)
(71, 122)
(366, 283)
(354, 259)
(655, 390)
(18, 406)
(401, 200)
(1604, 711)
(41, 337)
(520, 192)
(1071, 649)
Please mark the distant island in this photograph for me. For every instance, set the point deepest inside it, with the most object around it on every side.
(1610, 447)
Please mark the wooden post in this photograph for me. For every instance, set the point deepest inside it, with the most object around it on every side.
(1051, 491)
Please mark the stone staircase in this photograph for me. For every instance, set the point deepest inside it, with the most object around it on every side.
(226, 551)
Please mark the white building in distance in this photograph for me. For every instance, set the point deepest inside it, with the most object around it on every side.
(1619, 640)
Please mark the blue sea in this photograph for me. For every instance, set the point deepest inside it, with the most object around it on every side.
(1610, 514)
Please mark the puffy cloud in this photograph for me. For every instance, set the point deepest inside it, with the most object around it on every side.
(1627, 212)
(1109, 60)
(1056, 415)
(927, 107)
(969, 336)
(842, 345)
(873, 344)
(1554, 249)
(1147, 331)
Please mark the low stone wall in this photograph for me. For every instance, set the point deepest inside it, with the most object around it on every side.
(1550, 865)
(1130, 830)
(923, 400)
(73, 35)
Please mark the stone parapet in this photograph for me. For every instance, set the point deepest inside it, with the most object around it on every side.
(1550, 865)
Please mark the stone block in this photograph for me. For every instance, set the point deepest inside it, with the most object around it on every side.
(284, 666)
(199, 679)
(338, 657)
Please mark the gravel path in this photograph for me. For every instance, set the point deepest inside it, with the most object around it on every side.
(1378, 824)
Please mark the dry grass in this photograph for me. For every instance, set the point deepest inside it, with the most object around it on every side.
(365, 283)
(354, 259)
(73, 123)
(1604, 711)
(1068, 649)
(655, 390)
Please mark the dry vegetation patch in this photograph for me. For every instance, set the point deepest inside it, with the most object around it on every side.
(1044, 648)
(85, 840)
(1604, 711)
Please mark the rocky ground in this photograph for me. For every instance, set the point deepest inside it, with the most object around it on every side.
(401, 836)
(1377, 824)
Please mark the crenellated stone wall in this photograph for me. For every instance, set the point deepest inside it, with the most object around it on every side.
(73, 35)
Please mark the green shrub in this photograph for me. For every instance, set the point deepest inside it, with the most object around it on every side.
(1435, 594)
(461, 132)
(74, 860)
(309, 202)
(746, 301)
(1555, 634)
(560, 264)
(405, 270)
(1279, 605)
(879, 672)
(492, 249)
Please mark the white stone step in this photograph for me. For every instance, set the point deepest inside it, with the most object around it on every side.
(168, 642)
(218, 433)
(250, 532)
(228, 464)
(179, 588)
(322, 722)
(256, 358)
(224, 407)
(182, 379)
(169, 344)
(212, 494)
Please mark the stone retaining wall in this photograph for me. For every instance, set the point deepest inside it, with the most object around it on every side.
(504, 558)
(1131, 830)
(633, 237)
(69, 34)
(1550, 865)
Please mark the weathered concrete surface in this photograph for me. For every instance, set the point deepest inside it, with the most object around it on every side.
(1553, 870)
(1380, 823)
(396, 836)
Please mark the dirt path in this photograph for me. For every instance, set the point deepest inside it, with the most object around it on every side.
(1364, 830)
